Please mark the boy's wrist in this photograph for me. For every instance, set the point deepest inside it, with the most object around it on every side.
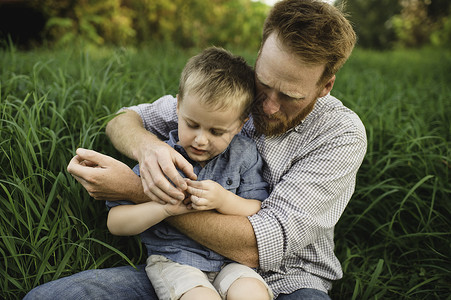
(226, 202)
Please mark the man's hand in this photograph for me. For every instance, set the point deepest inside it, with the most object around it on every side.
(157, 160)
(105, 178)
(159, 163)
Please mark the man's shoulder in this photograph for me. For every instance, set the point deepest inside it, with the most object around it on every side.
(331, 112)
(164, 101)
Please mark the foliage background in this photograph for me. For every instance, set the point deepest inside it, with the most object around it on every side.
(186, 23)
(385, 24)
(380, 24)
(93, 57)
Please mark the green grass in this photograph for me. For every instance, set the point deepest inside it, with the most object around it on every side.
(394, 238)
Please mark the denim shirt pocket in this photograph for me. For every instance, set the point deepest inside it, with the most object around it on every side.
(230, 182)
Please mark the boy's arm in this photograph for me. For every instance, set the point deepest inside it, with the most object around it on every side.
(207, 194)
(134, 219)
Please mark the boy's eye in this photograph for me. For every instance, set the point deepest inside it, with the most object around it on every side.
(217, 133)
(191, 125)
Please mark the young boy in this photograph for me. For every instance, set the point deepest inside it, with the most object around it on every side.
(215, 92)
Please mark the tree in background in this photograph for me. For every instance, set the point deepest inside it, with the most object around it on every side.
(383, 24)
(186, 23)
(423, 21)
(380, 24)
(372, 21)
(96, 22)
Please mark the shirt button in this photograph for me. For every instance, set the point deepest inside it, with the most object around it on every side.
(229, 181)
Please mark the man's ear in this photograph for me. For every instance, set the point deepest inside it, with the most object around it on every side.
(327, 87)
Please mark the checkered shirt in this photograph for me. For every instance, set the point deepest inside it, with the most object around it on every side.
(311, 170)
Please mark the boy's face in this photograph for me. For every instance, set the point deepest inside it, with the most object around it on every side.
(203, 131)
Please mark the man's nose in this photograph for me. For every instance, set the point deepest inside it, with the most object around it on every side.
(270, 104)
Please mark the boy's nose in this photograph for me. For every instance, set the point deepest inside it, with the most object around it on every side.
(201, 139)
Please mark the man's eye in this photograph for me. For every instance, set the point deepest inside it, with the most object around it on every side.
(291, 99)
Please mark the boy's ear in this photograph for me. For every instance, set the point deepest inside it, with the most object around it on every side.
(178, 102)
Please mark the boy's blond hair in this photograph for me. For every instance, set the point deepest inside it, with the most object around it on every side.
(220, 80)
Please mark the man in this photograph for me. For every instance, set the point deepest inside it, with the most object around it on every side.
(311, 144)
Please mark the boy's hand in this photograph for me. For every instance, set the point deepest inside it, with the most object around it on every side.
(177, 209)
(206, 194)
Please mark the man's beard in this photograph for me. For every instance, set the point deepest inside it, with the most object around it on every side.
(263, 125)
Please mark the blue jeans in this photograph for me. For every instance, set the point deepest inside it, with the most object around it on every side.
(121, 283)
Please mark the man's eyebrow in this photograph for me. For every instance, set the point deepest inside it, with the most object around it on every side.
(281, 93)
(299, 97)
(260, 81)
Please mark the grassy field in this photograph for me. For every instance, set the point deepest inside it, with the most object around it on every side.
(394, 239)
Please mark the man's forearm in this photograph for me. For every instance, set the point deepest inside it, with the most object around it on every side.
(127, 133)
(230, 236)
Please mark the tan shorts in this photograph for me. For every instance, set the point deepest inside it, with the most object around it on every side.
(171, 280)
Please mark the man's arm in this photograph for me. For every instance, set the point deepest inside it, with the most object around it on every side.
(156, 158)
(106, 178)
(118, 131)
(215, 231)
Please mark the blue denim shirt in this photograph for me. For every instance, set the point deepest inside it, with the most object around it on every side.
(237, 169)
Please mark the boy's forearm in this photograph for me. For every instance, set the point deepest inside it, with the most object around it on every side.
(239, 206)
(230, 236)
(134, 219)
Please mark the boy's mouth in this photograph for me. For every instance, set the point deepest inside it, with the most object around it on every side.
(197, 151)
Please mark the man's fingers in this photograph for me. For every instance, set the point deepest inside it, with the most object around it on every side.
(156, 194)
(185, 167)
(158, 181)
(78, 167)
(93, 157)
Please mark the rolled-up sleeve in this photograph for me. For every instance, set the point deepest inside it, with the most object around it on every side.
(159, 117)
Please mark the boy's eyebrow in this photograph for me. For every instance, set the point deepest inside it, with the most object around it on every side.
(215, 128)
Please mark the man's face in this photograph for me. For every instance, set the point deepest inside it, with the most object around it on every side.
(286, 88)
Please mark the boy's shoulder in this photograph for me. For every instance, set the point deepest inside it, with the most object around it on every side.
(242, 147)
(242, 141)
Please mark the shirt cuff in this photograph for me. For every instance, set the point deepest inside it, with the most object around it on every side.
(270, 242)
